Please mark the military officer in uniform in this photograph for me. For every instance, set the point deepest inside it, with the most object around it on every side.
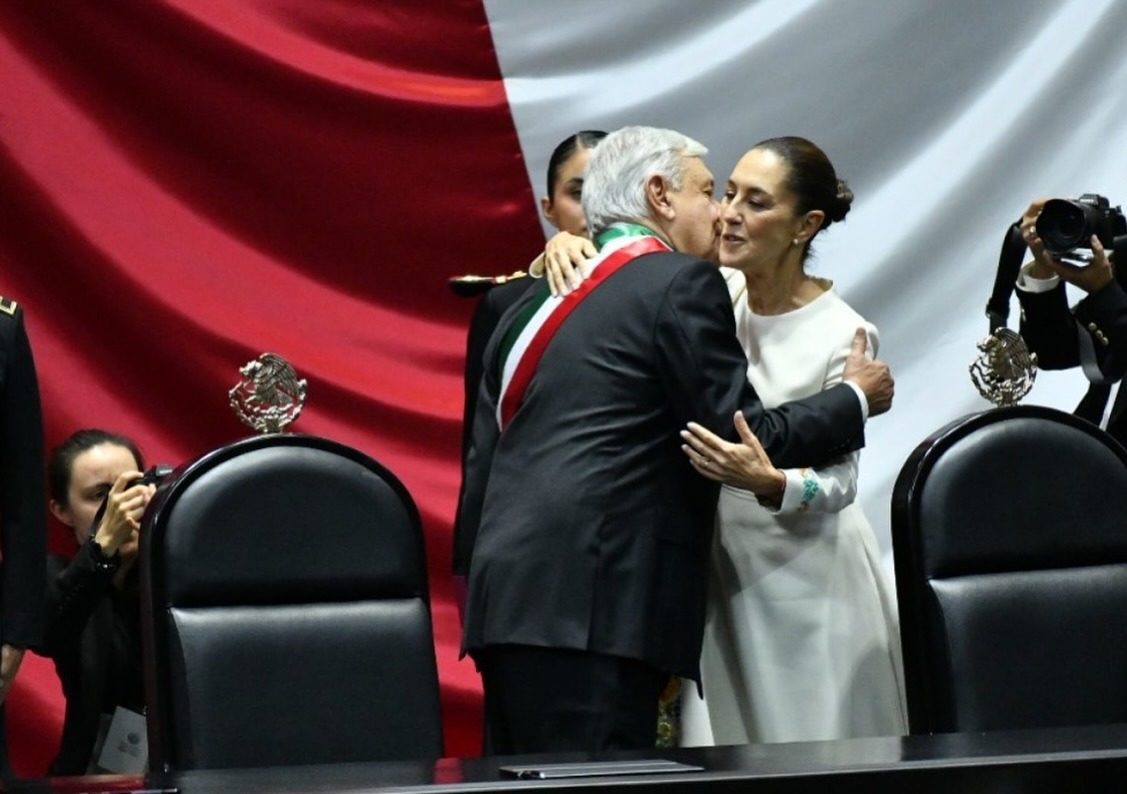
(23, 506)
(562, 209)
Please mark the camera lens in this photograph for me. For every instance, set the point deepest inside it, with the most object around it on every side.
(1064, 225)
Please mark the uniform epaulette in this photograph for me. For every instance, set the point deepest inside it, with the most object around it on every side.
(8, 306)
(471, 286)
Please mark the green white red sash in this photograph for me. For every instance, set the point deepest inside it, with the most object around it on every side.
(537, 323)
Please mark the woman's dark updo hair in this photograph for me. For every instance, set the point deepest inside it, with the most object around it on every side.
(566, 148)
(812, 179)
(61, 463)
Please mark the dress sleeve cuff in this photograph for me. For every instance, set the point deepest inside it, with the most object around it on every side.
(801, 490)
(792, 492)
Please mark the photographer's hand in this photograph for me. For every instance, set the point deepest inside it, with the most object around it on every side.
(1092, 278)
(116, 533)
(1042, 261)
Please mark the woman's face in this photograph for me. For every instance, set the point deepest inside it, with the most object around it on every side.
(562, 209)
(758, 214)
(92, 475)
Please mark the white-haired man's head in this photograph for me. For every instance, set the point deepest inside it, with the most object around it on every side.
(655, 177)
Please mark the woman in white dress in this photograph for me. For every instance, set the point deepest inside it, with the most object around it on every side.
(801, 641)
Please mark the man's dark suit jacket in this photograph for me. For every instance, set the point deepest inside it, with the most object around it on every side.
(1052, 331)
(589, 529)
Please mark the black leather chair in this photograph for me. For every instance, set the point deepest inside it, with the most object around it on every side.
(1009, 533)
(285, 612)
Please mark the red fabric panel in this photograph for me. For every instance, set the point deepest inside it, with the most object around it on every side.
(189, 183)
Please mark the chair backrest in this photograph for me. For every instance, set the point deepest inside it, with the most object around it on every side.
(285, 611)
(1009, 532)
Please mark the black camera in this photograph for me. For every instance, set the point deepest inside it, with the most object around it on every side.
(1065, 225)
(153, 475)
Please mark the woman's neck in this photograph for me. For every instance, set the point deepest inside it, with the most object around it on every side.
(781, 290)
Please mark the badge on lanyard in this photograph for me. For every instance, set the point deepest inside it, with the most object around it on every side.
(126, 748)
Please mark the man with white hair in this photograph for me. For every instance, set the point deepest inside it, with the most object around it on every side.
(589, 528)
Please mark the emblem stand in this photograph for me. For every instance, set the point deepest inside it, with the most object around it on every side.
(270, 396)
(1004, 370)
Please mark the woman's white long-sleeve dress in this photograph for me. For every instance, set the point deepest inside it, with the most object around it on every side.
(802, 639)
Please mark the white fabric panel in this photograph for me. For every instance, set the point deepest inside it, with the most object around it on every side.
(945, 118)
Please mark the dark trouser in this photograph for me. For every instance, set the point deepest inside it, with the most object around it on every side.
(541, 700)
(6, 772)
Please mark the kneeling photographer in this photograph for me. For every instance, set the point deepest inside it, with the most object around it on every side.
(1093, 334)
(93, 605)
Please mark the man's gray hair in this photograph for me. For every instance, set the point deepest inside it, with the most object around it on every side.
(614, 187)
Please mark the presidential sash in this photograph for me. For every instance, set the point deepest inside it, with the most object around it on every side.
(527, 339)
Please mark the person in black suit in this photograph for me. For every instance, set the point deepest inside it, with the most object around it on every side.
(562, 208)
(93, 618)
(586, 529)
(1093, 334)
(23, 516)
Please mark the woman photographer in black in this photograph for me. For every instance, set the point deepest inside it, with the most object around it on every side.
(93, 619)
(1092, 334)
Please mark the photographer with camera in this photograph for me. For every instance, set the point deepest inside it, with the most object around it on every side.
(93, 603)
(1093, 334)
